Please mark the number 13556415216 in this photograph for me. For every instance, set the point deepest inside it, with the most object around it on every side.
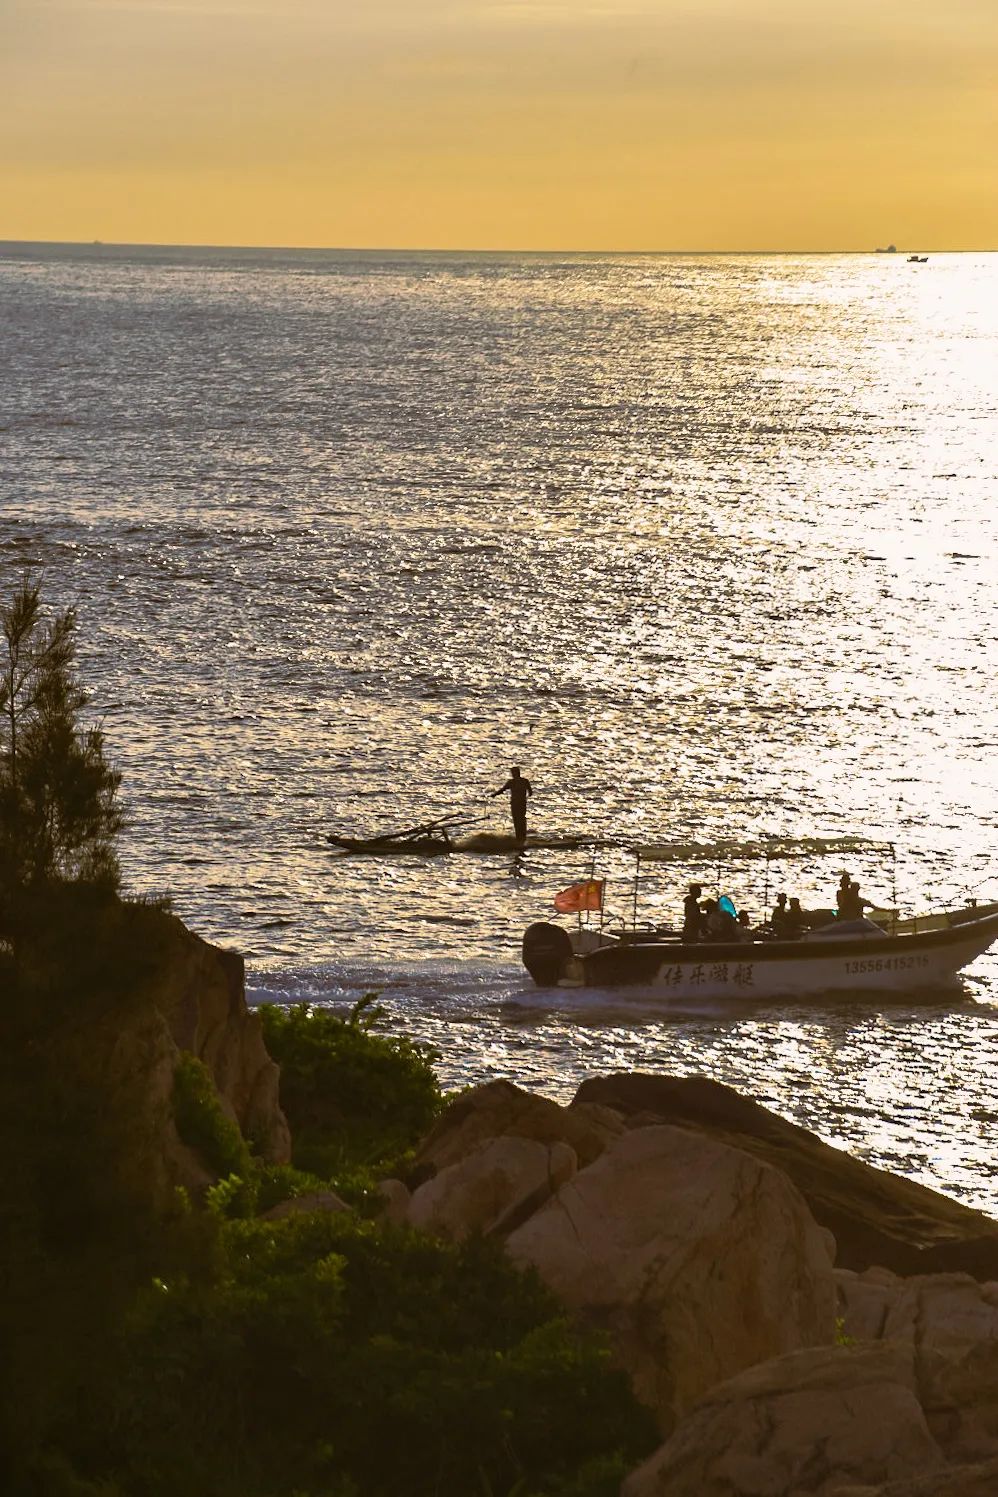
(886, 964)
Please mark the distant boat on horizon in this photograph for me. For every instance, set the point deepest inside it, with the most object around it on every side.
(891, 249)
(917, 259)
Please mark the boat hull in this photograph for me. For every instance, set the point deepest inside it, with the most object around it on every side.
(909, 962)
(388, 847)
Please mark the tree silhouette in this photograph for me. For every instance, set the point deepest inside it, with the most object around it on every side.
(59, 815)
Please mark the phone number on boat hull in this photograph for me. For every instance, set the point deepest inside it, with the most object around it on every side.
(887, 964)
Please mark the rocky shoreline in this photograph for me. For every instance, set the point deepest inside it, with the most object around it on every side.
(702, 1233)
(797, 1321)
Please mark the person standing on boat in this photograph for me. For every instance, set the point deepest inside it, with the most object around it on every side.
(692, 914)
(519, 788)
(852, 904)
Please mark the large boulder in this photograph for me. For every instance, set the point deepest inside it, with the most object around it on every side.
(698, 1259)
(951, 1323)
(808, 1423)
(875, 1217)
(200, 991)
(865, 1300)
(493, 1189)
(500, 1109)
(393, 1201)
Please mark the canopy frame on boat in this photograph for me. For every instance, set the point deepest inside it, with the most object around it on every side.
(768, 848)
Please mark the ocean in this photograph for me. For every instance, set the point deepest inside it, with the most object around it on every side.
(704, 543)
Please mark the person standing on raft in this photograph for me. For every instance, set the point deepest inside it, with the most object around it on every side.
(519, 788)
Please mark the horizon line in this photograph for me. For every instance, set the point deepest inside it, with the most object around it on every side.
(345, 249)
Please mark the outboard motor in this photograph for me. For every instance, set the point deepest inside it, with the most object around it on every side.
(546, 949)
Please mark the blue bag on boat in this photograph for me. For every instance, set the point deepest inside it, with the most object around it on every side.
(725, 904)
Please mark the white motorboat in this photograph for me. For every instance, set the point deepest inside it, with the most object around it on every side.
(877, 954)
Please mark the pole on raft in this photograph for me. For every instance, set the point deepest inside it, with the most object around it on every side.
(898, 810)
(637, 875)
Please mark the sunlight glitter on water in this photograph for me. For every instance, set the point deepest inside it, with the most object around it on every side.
(704, 542)
(905, 1087)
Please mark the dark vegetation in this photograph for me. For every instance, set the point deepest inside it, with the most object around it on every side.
(328, 1355)
(153, 1344)
(58, 795)
(354, 1098)
(203, 1125)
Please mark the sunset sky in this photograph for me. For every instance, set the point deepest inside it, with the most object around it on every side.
(535, 124)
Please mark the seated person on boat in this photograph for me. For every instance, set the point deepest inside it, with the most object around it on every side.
(796, 919)
(721, 924)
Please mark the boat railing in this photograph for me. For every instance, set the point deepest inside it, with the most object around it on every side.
(736, 858)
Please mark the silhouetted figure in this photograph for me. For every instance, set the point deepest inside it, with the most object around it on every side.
(852, 904)
(778, 919)
(842, 892)
(692, 914)
(795, 918)
(519, 788)
(720, 925)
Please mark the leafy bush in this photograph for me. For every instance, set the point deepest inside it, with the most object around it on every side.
(203, 1124)
(352, 1097)
(152, 1348)
(333, 1356)
(262, 1187)
(59, 816)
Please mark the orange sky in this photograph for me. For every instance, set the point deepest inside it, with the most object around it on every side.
(547, 124)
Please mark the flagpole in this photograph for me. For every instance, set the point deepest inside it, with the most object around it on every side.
(592, 879)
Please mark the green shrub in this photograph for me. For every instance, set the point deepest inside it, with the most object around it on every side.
(352, 1097)
(282, 1182)
(239, 1197)
(152, 1348)
(59, 813)
(202, 1123)
(234, 1196)
(336, 1356)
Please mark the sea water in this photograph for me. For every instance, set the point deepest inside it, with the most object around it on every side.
(705, 543)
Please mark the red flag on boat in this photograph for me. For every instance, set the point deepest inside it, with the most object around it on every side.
(577, 897)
